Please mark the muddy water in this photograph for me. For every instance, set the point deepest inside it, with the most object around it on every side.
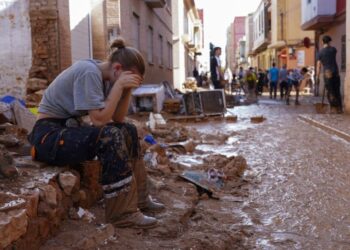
(300, 180)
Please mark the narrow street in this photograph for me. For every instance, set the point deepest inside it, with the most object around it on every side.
(293, 194)
(299, 198)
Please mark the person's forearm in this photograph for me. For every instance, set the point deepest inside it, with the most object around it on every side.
(123, 106)
(103, 116)
(318, 69)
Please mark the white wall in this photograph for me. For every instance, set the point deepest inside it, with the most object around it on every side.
(80, 26)
(15, 47)
(317, 8)
(259, 26)
(179, 66)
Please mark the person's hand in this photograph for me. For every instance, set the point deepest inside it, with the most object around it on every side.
(128, 80)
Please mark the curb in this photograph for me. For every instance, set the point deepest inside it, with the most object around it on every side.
(324, 127)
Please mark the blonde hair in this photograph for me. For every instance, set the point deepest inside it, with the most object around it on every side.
(128, 57)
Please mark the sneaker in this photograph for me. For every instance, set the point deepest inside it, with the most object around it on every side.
(151, 205)
(136, 220)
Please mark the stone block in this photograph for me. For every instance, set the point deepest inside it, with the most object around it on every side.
(35, 84)
(67, 182)
(12, 226)
(48, 194)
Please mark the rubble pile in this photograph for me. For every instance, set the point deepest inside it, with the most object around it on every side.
(59, 207)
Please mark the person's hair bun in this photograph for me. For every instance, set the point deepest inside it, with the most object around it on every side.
(118, 43)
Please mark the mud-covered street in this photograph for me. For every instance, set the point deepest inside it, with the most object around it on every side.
(293, 195)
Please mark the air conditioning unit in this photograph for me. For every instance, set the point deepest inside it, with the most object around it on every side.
(206, 102)
(155, 3)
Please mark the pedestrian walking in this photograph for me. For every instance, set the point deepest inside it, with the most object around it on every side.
(283, 74)
(101, 90)
(327, 59)
(215, 69)
(273, 77)
(250, 79)
(261, 81)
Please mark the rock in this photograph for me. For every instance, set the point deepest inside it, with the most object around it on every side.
(257, 119)
(8, 171)
(24, 118)
(32, 198)
(86, 243)
(10, 201)
(67, 182)
(35, 84)
(12, 226)
(6, 164)
(48, 194)
(104, 233)
(236, 167)
(27, 162)
(9, 140)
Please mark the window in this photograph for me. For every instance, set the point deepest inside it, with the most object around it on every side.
(150, 44)
(161, 57)
(170, 55)
(136, 31)
(343, 53)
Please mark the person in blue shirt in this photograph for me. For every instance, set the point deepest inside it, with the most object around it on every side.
(273, 77)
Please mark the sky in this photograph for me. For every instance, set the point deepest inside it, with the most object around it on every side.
(218, 14)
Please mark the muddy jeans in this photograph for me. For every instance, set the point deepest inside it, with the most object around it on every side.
(115, 144)
(332, 85)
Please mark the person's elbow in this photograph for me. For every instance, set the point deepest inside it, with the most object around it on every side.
(99, 120)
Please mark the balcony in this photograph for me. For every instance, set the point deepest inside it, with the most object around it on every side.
(317, 13)
(155, 3)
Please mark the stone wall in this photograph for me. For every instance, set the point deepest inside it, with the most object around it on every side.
(15, 43)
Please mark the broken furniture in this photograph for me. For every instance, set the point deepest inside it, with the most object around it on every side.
(207, 102)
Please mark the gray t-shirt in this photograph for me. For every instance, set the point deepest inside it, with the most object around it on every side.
(75, 91)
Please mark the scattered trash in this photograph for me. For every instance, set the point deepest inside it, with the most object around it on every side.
(202, 183)
(85, 215)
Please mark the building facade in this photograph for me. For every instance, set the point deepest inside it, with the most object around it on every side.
(35, 43)
(187, 40)
(290, 45)
(262, 36)
(236, 32)
(327, 18)
(41, 38)
(145, 25)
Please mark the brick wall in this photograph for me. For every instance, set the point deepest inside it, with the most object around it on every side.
(51, 48)
(99, 30)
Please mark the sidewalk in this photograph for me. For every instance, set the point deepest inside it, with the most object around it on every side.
(338, 125)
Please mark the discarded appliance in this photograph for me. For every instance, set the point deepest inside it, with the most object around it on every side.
(207, 102)
(148, 98)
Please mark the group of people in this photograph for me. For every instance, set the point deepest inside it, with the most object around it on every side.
(254, 82)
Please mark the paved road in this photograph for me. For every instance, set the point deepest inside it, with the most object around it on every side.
(300, 198)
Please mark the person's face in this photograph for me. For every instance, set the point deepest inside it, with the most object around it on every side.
(218, 52)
